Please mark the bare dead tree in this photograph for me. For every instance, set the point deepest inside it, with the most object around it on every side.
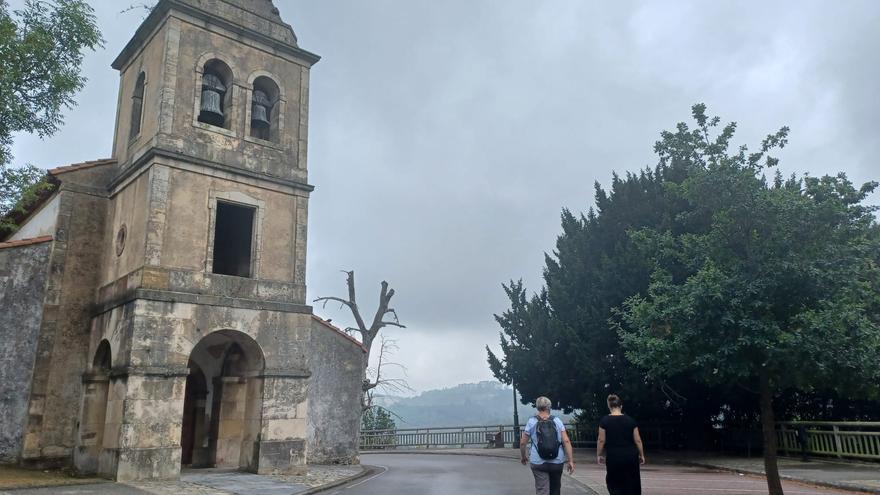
(380, 382)
(385, 316)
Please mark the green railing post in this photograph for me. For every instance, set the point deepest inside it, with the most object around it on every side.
(838, 448)
(784, 440)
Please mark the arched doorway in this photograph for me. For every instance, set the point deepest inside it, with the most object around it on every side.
(90, 440)
(223, 402)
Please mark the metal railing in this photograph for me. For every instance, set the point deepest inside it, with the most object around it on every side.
(457, 437)
(856, 439)
(431, 438)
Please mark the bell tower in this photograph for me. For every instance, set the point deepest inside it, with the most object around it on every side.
(217, 80)
(201, 300)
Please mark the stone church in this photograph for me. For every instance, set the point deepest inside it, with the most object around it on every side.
(154, 308)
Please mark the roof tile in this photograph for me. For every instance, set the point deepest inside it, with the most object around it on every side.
(81, 166)
(25, 242)
(340, 332)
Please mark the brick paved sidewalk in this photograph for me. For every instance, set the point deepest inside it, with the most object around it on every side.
(857, 476)
(671, 479)
(661, 477)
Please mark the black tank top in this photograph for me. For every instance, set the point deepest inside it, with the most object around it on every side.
(618, 431)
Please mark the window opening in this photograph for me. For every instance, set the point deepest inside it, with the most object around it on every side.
(216, 91)
(233, 239)
(137, 105)
(265, 109)
(213, 90)
(260, 123)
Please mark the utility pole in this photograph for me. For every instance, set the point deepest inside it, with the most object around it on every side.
(516, 433)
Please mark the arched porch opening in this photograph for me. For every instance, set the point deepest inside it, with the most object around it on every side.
(93, 411)
(223, 402)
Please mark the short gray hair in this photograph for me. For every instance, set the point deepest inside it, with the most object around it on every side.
(543, 403)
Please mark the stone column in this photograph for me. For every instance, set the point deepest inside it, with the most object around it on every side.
(253, 422)
(282, 447)
(201, 450)
(233, 397)
(90, 438)
(151, 419)
(109, 457)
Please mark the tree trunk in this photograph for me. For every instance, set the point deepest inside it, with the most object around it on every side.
(768, 427)
(364, 379)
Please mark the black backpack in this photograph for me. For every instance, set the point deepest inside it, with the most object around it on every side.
(546, 438)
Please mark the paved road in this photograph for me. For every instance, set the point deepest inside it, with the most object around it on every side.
(445, 475)
(433, 474)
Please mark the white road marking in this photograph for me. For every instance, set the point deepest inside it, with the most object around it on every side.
(371, 478)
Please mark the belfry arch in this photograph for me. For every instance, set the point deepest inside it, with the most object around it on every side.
(222, 409)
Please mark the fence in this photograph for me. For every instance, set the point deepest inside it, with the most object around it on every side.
(458, 437)
(430, 438)
(859, 440)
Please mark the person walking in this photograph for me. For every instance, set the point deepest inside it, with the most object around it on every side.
(620, 448)
(549, 449)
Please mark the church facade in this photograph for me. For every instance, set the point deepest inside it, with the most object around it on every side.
(155, 309)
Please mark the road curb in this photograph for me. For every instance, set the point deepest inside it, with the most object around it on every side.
(755, 472)
(583, 485)
(365, 470)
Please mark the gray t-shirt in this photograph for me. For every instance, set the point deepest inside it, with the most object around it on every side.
(534, 458)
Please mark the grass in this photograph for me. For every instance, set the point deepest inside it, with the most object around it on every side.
(17, 477)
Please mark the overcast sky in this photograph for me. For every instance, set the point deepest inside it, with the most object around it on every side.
(446, 136)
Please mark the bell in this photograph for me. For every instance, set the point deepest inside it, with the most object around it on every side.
(260, 110)
(212, 98)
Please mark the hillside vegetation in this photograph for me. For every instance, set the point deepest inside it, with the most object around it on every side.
(469, 404)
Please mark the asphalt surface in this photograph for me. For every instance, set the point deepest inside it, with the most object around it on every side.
(445, 475)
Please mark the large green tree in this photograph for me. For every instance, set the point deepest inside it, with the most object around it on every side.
(558, 342)
(19, 188)
(41, 53)
(776, 288)
(377, 418)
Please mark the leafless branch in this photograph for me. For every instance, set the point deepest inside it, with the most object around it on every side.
(343, 302)
(369, 334)
(672, 395)
(391, 323)
(138, 6)
(398, 385)
(393, 312)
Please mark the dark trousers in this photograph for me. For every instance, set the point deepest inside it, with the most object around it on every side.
(622, 472)
(548, 478)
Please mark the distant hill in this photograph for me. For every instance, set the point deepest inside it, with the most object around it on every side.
(469, 404)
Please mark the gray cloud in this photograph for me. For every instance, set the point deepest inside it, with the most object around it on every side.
(447, 136)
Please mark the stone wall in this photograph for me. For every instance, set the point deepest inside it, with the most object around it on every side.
(62, 346)
(334, 396)
(23, 275)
